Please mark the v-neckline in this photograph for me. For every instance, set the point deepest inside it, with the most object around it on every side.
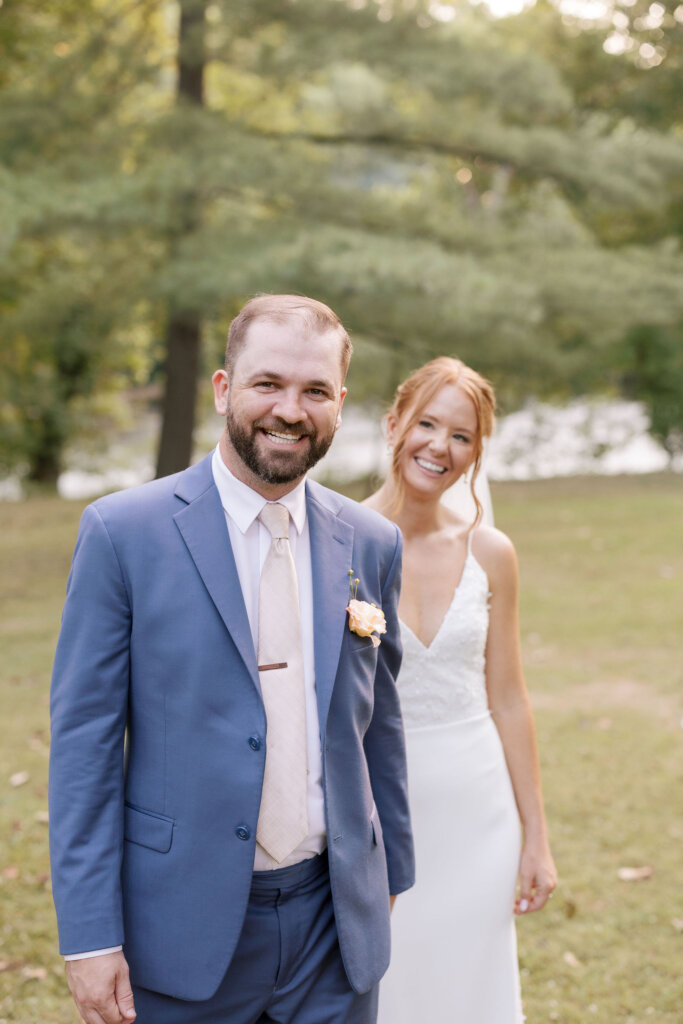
(428, 647)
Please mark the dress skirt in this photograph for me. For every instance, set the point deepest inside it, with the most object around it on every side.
(454, 949)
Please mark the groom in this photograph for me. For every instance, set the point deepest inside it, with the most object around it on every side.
(237, 857)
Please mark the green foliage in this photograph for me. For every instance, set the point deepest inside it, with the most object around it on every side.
(653, 357)
(497, 189)
(69, 294)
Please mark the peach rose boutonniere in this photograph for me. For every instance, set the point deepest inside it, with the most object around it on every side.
(365, 619)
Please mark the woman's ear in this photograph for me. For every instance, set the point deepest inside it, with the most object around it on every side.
(390, 427)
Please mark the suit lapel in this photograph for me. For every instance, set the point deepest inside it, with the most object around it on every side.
(331, 552)
(205, 532)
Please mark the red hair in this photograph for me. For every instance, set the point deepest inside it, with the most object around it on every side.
(415, 394)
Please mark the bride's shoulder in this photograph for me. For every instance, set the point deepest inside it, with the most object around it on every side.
(494, 551)
(373, 502)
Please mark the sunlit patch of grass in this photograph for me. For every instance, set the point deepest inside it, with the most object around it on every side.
(601, 564)
(36, 539)
(602, 569)
(612, 788)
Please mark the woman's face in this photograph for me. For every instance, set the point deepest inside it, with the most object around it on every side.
(441, 445)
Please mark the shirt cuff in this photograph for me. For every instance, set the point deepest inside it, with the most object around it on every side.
(93, 952)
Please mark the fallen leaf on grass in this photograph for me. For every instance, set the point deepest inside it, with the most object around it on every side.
(10, 965)
(570, 959)
(19, 778)
(42, 816)
(35, 973)
(635, 874)
(10, 872)
(677, 922)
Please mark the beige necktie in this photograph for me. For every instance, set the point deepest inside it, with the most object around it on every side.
(283, 816)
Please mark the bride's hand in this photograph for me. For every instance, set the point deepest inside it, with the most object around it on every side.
(537, 877)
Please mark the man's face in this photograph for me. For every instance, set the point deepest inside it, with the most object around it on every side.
(282, 404)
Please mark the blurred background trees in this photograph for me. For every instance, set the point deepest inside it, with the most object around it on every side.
(507, 190)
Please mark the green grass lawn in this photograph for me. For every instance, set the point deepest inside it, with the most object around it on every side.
(602, 580)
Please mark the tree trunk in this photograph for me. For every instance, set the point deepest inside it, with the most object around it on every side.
(183, 336)
(46, 465)
(183, 327)
(53, 429)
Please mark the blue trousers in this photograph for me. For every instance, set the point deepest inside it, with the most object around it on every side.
(287, 968)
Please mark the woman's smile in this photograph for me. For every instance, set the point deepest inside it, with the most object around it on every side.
(430, 467)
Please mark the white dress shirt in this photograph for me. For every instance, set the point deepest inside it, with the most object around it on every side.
(250, 542)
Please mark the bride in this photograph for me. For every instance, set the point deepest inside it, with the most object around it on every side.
(472, 761)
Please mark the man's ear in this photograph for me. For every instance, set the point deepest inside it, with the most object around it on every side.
(342, 396)
(221, 386)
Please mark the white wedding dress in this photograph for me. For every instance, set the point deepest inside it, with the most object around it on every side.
(454, 950)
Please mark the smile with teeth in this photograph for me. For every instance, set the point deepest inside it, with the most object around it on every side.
(280, 438)
(430, 466)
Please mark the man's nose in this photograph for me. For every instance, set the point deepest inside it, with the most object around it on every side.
(288, 406)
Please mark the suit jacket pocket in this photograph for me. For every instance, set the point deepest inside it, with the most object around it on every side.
(360, 643)
(147, 829)
(376, 826)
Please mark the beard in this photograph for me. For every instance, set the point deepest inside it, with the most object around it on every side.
(274, 467)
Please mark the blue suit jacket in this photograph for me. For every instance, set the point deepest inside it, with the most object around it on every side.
(154, 848)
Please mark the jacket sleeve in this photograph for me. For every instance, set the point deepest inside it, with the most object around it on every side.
(385, 741)
(89, 699)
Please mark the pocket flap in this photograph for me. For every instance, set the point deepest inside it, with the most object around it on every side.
(147, 829)
(360, 643)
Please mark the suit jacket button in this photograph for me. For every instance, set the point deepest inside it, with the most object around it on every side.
(242, 832)
(254, 743)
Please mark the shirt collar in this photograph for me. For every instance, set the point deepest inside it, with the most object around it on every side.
(243, 504)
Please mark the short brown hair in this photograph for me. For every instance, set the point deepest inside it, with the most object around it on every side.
(316, 316)
(418, 390)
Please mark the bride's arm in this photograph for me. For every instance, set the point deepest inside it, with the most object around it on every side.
(511, 712)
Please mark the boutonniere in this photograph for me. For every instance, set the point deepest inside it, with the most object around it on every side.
(365, 619)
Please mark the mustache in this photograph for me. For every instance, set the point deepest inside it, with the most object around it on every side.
(281, 426)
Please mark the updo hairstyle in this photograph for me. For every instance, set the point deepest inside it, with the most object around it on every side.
(417, 391)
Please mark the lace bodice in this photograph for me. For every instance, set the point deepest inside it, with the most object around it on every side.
(445, 682)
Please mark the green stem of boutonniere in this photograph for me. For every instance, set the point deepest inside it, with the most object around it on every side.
(353, 586)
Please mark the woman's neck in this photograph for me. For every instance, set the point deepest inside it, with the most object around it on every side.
(415, 516)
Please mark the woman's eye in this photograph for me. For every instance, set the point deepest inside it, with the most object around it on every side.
(462, 437)
(424, 423)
